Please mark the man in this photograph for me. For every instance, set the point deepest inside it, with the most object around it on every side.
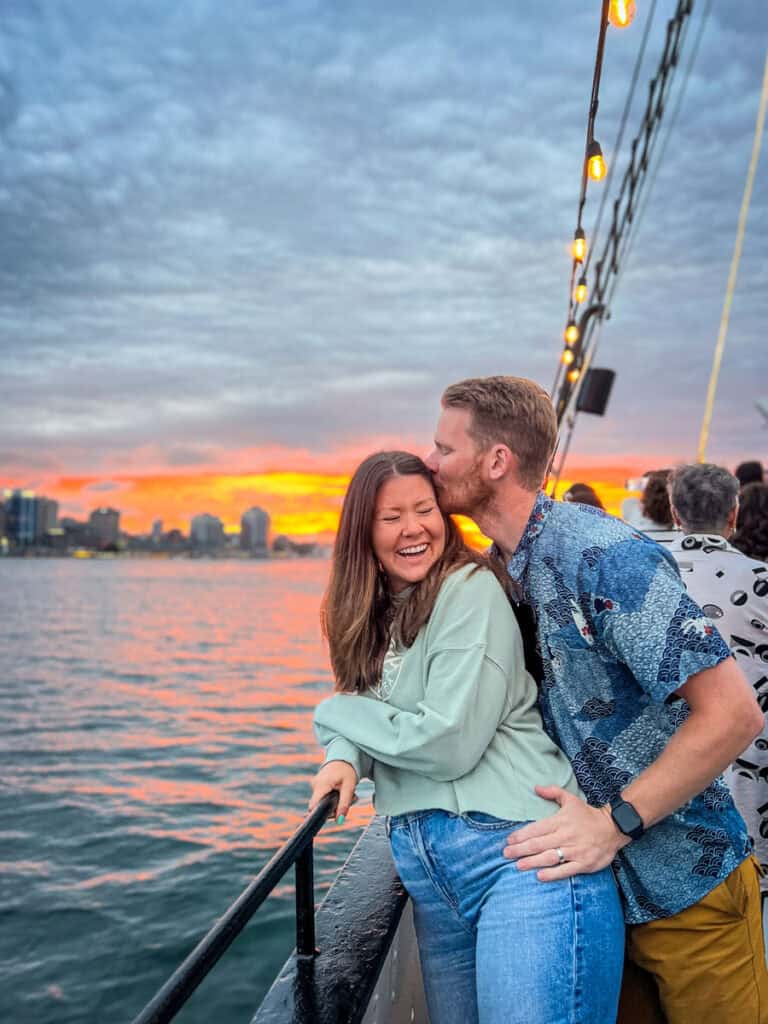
(641, 693)
(733, 592)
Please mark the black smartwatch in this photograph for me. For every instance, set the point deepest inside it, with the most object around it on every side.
(626, 819)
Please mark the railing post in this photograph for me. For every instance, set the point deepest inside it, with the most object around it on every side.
(297, 850)
(305, 904)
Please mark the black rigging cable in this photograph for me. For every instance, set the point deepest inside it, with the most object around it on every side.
(609, 178)
(620, 135)
(629, 194)
(630, 188)
(663, 148)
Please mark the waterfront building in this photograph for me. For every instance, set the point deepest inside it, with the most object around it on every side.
(74, 533)
(157, 531)
(254, 531)
(206, 532)
(21, 516)
(46, 517)
(104, 526)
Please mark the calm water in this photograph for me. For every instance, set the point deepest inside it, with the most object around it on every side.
(155, 747)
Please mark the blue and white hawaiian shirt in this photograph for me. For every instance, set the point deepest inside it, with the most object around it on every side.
(618, 635)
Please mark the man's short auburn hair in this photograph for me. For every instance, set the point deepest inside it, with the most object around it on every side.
(513, 411)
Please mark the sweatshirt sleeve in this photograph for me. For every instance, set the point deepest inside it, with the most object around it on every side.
(465, 692)
(337, 748)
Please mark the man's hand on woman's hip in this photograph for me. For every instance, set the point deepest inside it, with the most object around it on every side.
(577, 840)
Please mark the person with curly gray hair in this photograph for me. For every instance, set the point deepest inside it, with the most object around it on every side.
(732, 591)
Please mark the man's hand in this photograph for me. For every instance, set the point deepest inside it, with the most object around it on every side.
(587, 837)
(335, 775)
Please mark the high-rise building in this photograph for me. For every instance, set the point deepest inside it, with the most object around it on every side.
(254, 530)
(104, 526)
(157, 531)
(46, 517)
(21, 516)
(206, 532)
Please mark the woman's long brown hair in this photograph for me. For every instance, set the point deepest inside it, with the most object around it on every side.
(358, 614)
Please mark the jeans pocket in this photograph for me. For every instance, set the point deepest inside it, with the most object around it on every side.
(482, 822)
(396, 822)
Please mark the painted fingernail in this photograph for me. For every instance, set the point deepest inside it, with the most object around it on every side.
(340, 820)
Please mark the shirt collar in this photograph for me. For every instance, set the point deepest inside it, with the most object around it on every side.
(695, 541)
(518, 563)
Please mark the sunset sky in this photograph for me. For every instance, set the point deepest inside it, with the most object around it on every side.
(245, 244)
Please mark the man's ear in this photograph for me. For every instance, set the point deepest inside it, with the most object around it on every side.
(733, 515)
(501, 461)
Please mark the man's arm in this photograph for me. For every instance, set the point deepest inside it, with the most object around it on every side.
(724, 718)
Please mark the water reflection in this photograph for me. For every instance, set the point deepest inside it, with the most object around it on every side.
(157, 747)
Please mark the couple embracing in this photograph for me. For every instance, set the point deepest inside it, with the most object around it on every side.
(555, 839)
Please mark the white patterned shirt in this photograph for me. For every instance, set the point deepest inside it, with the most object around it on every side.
(732, 590)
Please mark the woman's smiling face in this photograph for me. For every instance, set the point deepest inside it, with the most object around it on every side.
(408, 530)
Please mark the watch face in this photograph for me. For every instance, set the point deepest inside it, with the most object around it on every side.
(627, 819)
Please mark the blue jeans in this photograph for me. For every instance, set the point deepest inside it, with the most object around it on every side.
(498, 946)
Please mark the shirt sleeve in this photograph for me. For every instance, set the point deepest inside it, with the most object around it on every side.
(644, 616)
(337, 748)
(466, 694)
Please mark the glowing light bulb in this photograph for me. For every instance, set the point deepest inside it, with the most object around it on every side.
(580, 291)
(568, 357)
(621, 13)
(574, 374)
(596, 168)
(579, 247)
(571, 333)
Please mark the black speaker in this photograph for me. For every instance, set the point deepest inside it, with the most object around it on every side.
(595, 391)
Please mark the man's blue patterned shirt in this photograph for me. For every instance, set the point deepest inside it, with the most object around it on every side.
(618, 635)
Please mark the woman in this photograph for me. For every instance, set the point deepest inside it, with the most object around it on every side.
(656, 520)
(435, 705)
(751, 536)
(584, 495)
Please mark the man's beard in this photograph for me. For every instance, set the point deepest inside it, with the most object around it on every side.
(468, 497)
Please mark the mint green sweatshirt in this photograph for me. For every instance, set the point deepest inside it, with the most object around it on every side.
(453, 725)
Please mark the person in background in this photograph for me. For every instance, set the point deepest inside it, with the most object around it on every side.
(631, 507)
(434, 703)
(657, 515)
(751, 536)
(733, 592)
(641, 693)
(584, 495)
(749, 473)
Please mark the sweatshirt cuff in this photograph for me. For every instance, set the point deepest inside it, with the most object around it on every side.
(340, 749)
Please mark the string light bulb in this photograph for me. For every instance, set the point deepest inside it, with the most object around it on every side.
(596, 168)
(567, 357)
(621, 13)
(579, 247)
(574, 374)
(580, 291)
(571, 333)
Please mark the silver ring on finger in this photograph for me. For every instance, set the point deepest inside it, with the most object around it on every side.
(560, 856)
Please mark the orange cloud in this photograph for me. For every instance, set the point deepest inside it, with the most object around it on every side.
(301, 503)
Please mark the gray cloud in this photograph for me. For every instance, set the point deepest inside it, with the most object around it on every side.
(293, 224)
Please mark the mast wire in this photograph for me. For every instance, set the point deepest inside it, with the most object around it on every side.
(637, 220)
(718, 356)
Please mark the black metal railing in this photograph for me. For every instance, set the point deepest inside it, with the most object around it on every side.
(296, 851)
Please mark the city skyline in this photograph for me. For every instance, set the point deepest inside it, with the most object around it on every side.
(246, 246)
(284, 496)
